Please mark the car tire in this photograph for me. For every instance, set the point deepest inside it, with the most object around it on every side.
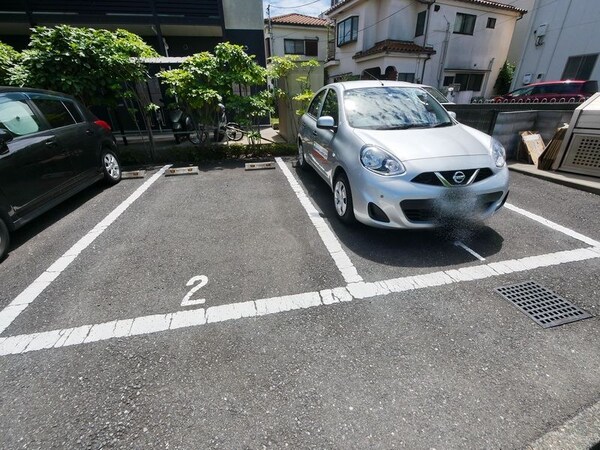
(342, 199)
(4, 239)
(301, 157)
(111, 167)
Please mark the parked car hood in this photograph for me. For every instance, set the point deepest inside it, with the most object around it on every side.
(423, 143)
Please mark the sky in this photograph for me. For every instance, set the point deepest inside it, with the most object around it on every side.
(306, 7)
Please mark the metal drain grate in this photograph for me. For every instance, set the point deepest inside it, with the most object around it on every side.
(542, 305)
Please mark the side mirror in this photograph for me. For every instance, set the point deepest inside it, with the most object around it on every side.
(5, 137)
(326, 123)
(452, 114)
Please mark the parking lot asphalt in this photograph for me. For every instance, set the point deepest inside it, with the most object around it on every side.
(276, 347)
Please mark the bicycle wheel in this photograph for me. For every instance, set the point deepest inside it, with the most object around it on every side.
(234, 131)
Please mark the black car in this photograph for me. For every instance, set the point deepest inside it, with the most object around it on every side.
(51, 147)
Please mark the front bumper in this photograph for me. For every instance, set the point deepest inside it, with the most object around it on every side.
(408, 204)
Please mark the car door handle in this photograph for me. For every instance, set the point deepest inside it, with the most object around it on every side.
(314, 133)
(51, 143)
(89, 132)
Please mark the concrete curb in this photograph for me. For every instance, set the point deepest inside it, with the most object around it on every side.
(581, 182)
(580, 432)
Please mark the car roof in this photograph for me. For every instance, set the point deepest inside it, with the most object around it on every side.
(345, 85)
(542, 83)
(24, 90)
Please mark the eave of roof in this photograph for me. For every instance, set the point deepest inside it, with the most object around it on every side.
(392, 46)
(489, 3)
(298, 20)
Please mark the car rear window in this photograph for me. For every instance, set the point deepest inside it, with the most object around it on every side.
(55, 112)
(17, 117)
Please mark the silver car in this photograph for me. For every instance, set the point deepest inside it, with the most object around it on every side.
(395, 158)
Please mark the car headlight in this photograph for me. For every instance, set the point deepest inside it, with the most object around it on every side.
(380, 162)
(498, 153)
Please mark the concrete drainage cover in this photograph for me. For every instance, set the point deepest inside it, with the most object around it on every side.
(541, 305)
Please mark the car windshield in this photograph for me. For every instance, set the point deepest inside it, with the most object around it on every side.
(393, 108)
(436, 94)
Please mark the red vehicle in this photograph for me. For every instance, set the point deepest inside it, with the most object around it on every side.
(551, 92)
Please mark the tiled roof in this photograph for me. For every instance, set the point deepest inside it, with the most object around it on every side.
(298, 19)
(391, 46)
(491, 4)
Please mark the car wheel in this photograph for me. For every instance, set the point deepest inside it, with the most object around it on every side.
(111, 167)
(342, 199)
(4, 239)
(301, 158)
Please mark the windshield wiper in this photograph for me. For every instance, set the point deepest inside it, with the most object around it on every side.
(407, 126)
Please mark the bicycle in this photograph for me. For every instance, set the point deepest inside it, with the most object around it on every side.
(234, 131)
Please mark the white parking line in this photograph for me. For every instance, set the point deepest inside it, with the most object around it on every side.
(553, 225)
(182, 319)
(340, 257)
(24, 299)
(471, 251)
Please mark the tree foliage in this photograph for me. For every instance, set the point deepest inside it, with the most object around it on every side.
(9, 57)
(90, 64)
(205, 79)
(281, 68)
(505, 77)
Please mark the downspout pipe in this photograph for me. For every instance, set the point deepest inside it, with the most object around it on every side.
(425, 38)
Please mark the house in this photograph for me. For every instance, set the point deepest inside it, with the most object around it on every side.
(561, 43)
(306, 38)
(173, 27)
(458, 44)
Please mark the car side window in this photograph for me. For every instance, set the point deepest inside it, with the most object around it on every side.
(313, 109)
(55, 112)
(17, 117)
(330, 106)
(73, 110)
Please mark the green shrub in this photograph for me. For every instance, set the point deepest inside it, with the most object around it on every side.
(188, 154)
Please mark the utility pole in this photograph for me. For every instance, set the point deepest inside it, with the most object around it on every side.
(270, 30)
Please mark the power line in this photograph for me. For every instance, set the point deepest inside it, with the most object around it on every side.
(295, 7)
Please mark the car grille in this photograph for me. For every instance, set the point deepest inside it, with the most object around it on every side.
(427, 210)
(470, 176)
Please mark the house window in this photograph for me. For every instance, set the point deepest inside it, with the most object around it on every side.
(579, 67)
(308, 47)
(469, 81)
(464, 23)
(491, 23)
(448, 81)
(293, 46)
(420, 23)
(311, 47)
(406, 76)
(347, 31)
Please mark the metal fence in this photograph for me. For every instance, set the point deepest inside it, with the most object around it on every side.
(504, 121)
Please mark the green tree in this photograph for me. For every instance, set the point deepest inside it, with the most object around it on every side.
(281, 70)
(9, 57)
(205, 79)
(505, 77)
(92, 65)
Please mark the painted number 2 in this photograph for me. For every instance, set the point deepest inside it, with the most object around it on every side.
(202, 280)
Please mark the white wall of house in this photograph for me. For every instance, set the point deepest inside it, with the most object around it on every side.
(571, 31)
(522, 28)
(481, 53)
(283, 32)
(246, 15)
